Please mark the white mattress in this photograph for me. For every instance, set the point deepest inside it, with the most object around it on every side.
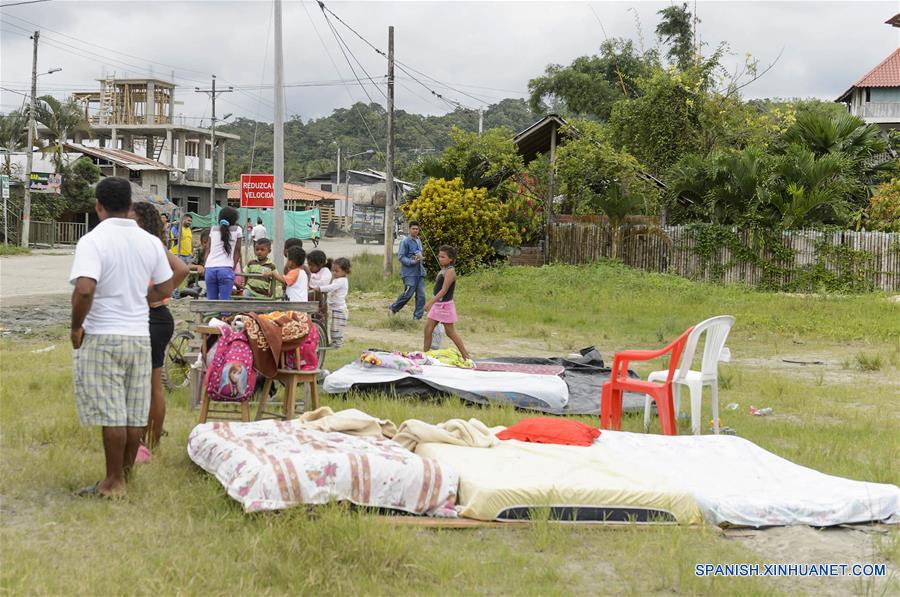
(737, 482)
(724, 479)
(515, 475)
(492, 385)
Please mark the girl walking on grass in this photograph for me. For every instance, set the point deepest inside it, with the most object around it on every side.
(337, 298)
(441, 308)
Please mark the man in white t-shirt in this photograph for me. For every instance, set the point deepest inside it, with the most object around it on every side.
(117, 266)
(259, 231)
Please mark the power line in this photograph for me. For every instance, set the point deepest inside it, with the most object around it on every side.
(16, 92)
(104, 59)
(24, 2)
(404, 66)
(337, 70)
(341, 45)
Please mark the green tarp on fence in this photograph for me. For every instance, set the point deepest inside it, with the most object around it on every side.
(297, 224)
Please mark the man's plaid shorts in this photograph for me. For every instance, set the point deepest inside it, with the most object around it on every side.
(112, 380)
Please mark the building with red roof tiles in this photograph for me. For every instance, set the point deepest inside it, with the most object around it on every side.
(297, 198)
(876, 96)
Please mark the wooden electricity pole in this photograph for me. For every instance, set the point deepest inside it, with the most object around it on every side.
(213, 93)
(389, 169)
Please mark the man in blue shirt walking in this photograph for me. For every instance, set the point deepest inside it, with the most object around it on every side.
(412, 271)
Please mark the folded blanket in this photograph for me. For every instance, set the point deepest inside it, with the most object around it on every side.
(472, 433)
(272, 334)
(350, 421)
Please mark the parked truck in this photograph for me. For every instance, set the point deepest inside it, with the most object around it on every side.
(368, 224)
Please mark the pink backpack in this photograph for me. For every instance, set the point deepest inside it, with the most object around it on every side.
(231, 377)
(309, 357)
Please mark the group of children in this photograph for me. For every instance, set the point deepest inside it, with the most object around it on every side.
(258, 279)
(304, 272)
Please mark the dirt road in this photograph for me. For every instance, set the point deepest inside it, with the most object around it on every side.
(43, 273)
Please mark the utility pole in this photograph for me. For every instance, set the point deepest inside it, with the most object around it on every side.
(389, 170)
(26, 210)
(480, 121)
(278, 149)
(212, 154)
(338, 179)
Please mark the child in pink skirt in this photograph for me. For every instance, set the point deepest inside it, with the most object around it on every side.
(440, 308)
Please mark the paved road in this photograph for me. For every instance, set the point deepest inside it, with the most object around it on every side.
(46, 273)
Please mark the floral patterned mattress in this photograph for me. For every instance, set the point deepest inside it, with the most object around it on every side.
(272, 465)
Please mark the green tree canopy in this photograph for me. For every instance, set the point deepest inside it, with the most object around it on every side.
(676, 30)
(590, 85)
(13, 136)
(588, 166)
(311, 146)
(487, 161)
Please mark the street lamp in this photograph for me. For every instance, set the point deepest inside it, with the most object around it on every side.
(347, 177)
(29, 163)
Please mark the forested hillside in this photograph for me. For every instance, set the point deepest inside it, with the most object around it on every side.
(310, 147)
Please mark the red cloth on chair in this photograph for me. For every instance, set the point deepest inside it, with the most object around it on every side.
(544, 430)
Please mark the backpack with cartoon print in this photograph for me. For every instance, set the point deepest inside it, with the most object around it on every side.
(231, 376)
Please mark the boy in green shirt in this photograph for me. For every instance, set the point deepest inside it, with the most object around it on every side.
(258, 287)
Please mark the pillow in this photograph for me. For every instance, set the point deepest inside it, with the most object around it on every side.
(544, 430)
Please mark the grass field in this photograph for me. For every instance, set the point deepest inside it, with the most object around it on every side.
(6, 250)
(177, 532)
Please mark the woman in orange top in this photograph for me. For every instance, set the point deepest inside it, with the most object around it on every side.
(161, 328)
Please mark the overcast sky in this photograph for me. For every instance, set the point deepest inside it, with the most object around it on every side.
(487, 50)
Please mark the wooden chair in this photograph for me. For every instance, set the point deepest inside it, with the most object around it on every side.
(291, 378)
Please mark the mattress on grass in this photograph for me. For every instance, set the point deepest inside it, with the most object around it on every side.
(736, 482)
(725, 480)
(579, 483)
(520, 389)
(272, 465)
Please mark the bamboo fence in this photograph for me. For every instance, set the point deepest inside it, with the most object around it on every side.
(872, 259)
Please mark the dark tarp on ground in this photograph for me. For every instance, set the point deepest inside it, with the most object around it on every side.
(584, 376)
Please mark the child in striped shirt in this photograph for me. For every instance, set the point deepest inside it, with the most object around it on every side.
(337, 299)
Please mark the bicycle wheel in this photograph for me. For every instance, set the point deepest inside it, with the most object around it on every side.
(177, 367)
(323, 343)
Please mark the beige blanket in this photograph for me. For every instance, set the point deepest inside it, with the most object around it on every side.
(472, 433)
(350, 421)
(412, 432)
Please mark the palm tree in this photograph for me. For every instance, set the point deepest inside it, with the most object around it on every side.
(813, 189)
(864, 146)
(13, 136)
(62, 119)
(844, 133)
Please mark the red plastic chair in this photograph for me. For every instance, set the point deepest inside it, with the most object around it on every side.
(619, 382)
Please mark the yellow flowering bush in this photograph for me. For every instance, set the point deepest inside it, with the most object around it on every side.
(468, 219)
(884, 207)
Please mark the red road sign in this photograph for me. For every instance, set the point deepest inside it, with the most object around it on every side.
(258, 190)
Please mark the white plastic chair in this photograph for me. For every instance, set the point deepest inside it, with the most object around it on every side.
(716, 330)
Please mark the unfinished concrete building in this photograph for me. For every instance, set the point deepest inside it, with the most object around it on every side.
(138, 115)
